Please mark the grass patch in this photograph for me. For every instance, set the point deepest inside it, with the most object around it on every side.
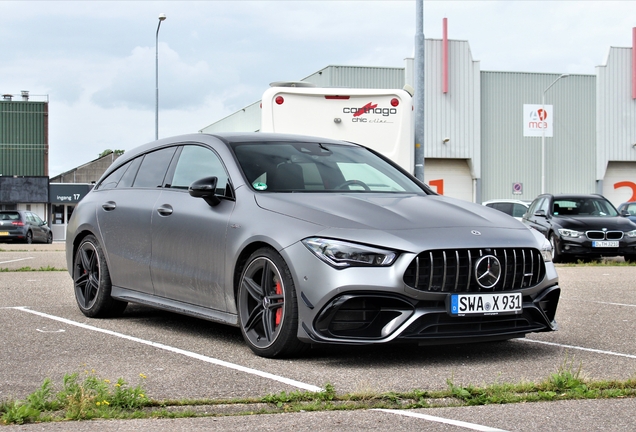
(84, 399)
(31, 269)
(93, 397)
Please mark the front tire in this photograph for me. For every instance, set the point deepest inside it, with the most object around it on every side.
(557, 256)
(267, 306)
(91, 279)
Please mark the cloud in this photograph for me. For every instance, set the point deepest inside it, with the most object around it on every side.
(132, 81)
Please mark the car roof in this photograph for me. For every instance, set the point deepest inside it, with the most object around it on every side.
(574, 195)
(507, 200)
(226, 137)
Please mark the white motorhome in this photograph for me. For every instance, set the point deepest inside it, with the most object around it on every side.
(380, 119)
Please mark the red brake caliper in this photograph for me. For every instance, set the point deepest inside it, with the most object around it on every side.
(279, 311)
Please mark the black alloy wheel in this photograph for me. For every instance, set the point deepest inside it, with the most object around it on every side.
(92, 283)
(267, 307)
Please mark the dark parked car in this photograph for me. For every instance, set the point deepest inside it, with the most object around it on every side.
(300, 240)
(23, 226)
(582, 226)
(628, 209)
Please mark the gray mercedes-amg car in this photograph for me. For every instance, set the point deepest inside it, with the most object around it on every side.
(300, 240)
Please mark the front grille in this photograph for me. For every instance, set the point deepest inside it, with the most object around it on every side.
(454, 270)
(604, 235)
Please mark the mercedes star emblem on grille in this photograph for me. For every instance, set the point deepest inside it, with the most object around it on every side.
(488, 271)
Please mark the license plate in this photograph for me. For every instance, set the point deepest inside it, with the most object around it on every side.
(605, 243)
(485, 304)
(4, 233)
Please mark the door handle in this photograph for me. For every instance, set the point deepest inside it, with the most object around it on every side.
(164, 210)
(109, 205)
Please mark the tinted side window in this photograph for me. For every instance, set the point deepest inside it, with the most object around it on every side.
(113, 178)
(36, 219)
(519, 210)
(535, 206)
(195, 163)
(544, 205)
(153, 168)
(503, 207)
(131, 169)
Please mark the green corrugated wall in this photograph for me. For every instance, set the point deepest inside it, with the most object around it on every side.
(23, 138)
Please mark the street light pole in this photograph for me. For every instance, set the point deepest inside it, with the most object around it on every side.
(543, 131)
(161, 18)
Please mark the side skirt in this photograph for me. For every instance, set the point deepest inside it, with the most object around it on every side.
(174, 306)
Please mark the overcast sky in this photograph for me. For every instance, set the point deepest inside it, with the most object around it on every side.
(95, 60)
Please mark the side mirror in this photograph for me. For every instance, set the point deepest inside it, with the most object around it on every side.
(205, 188)
(625, 213)
(540, 213)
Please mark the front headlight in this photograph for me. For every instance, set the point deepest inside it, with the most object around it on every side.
(631, 233)
(341, 254)
(570, 233)
(546, 250)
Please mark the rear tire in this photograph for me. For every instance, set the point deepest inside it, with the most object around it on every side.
(267, 306)
(29, 237)
(91, 279)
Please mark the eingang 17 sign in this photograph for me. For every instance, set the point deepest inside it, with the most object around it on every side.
(536, 120)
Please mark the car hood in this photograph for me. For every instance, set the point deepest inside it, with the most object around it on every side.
(586, 223)
(407, 221)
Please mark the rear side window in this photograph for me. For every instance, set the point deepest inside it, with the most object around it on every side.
(153, 168)
(130, 171)
(113, 178)
(502, 207)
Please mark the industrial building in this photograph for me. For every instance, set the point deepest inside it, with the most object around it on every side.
(483, 137)
(24, 163)
(487, 134)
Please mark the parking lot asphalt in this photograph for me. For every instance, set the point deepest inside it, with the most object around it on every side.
(45, 335)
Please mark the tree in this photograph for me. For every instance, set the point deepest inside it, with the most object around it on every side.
(109, 151)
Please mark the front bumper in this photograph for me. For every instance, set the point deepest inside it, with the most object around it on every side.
(585, 247)
(381, 305)
(364, 318)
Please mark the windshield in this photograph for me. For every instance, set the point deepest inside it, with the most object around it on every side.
(583, 207)
(314, 167)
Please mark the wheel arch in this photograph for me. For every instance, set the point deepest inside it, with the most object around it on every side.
(242, 260)
(78, 240)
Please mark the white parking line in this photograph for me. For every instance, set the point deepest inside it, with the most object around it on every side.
(206, 359)
(613, 304)
(466, 425)
(15, 260)
(631, 356)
